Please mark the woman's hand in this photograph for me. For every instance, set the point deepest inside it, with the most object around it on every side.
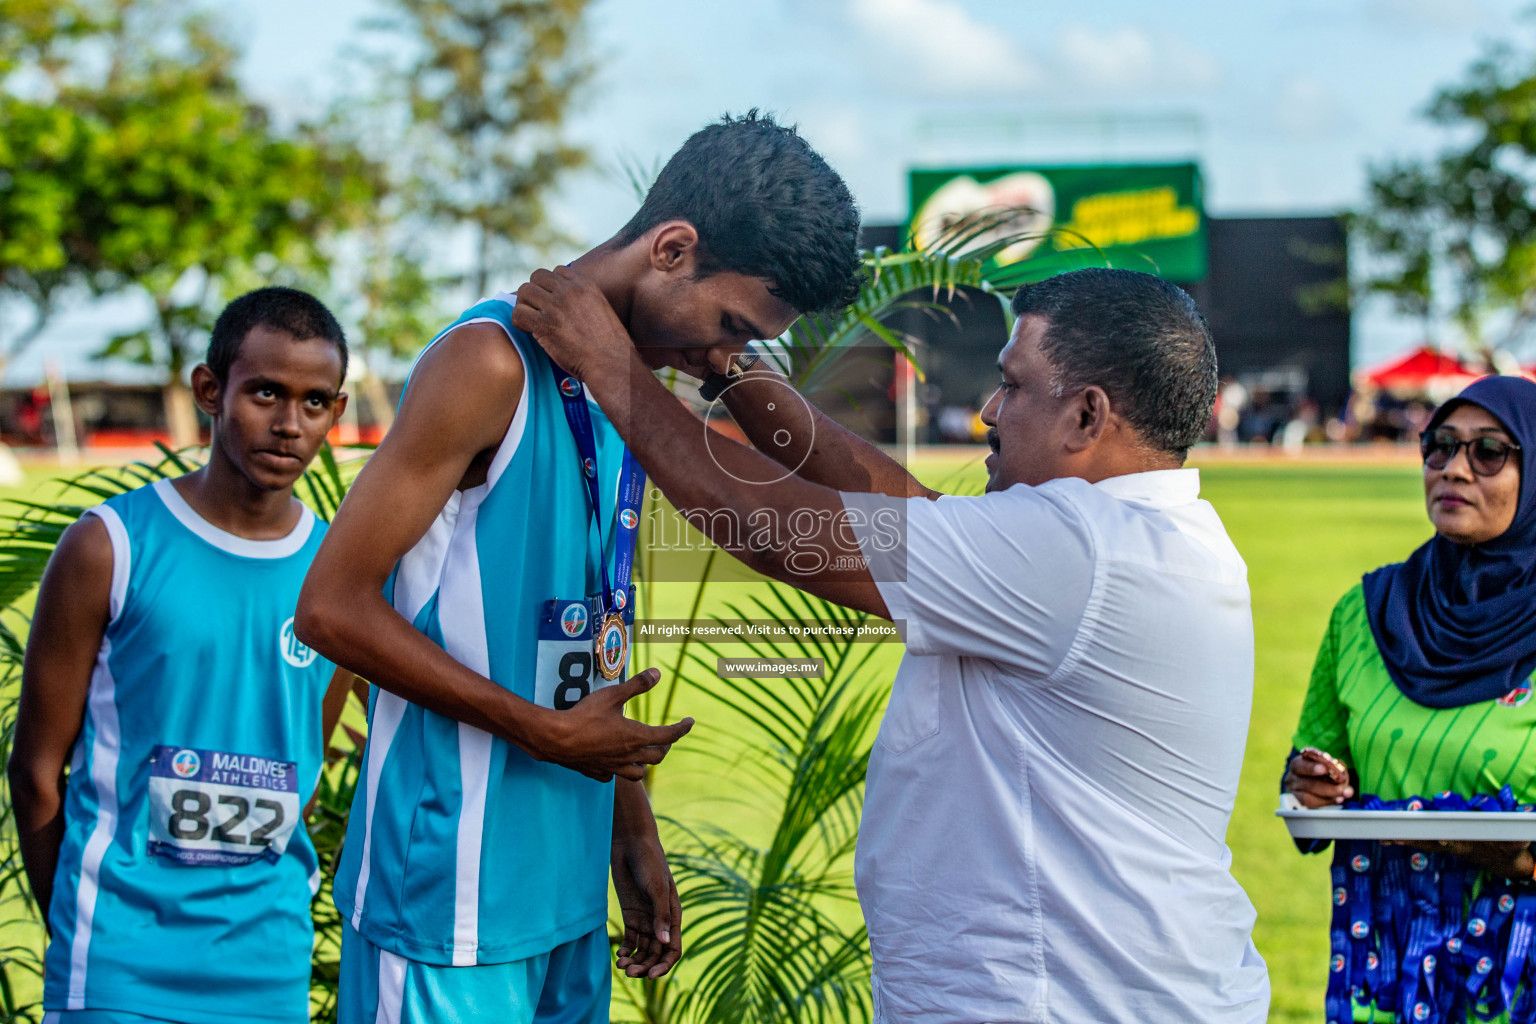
(1317, 779)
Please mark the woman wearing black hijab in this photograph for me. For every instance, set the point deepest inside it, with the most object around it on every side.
(1422, 684)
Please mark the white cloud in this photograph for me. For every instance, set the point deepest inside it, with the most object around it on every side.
(1306, 108)
(1127, 58)
(947, 49)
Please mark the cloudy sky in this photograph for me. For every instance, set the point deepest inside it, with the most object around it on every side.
(1284, 104)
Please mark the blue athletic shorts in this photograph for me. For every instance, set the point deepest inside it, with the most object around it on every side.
(571, 984)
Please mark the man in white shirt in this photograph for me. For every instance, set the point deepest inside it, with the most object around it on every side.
(1044, 831)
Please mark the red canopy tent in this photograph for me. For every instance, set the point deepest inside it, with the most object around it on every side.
(1423, 370)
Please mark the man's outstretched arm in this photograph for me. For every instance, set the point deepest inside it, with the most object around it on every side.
(462, 397)
(709, 481)
(794, 433)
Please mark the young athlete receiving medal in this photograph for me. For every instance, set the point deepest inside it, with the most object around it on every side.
(478, 573)
(1043, 834)
(172, 862)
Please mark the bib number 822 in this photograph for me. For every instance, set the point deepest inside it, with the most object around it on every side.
(191, 820)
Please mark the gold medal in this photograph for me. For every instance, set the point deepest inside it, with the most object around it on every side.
(612, 646)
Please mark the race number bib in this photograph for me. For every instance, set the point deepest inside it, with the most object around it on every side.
(567, 667)
(207, 807)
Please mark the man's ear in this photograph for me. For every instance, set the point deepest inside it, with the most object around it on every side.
(338, 407)
(674, 247)
(1091, 416)
(206, 391)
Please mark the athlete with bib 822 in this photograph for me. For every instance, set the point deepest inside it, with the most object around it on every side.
(172, 861)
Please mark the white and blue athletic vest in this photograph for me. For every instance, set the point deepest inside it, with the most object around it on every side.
(186, 873)
(461, 849)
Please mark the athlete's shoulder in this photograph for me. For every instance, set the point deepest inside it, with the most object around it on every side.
(472, 357)
(498, 308)
(461, 395)
(126, 516)
(134, 499)
(86, 557)
(87, 544)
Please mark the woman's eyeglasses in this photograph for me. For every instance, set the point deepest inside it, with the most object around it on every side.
(1486, 455)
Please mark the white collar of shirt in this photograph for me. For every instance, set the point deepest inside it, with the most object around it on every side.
(1160, 488)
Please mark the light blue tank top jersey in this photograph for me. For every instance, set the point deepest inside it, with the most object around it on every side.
(185, 876)
(462, 849)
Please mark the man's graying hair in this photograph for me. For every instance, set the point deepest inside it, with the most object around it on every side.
(1139, 338)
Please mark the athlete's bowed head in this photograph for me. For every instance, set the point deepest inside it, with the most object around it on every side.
(745, 229)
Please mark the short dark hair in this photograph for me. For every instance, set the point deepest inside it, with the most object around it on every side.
(289, 310)
(1141, 339)
(766, 205)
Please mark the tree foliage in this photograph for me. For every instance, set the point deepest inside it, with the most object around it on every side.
(44, 148)
(490, 84)
(145, 167)
(397, 312)
(131, 161)
(1455, 234)
(197, 192)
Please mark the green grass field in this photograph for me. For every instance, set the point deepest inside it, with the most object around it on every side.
(1308, 532)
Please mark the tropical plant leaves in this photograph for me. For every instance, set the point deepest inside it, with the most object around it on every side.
(764, 942)
(922, 279)
(327, 824)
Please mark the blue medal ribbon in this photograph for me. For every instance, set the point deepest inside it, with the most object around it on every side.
(1392, 921)
(1477, 954)
(1337, 1001)
(1518, 947)
(1361, 946)
(1424, 962)
(631, 492)
(1423, 936)
(1453, 883)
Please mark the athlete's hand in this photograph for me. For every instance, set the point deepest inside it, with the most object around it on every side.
(653, 915)
(596, 739)
(1317, 779)
(571, 318)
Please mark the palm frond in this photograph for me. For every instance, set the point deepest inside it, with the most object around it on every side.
(766, 944)
(956, 259)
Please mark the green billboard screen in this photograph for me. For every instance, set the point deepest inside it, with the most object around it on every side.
(1138, 216)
